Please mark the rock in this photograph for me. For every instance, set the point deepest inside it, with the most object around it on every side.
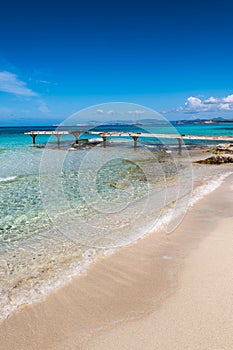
(225, 148)
(217, 160)
(75, 145)
(121, 185)
(222, 149)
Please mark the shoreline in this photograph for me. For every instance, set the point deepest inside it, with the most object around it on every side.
(198, 315)
(114, 287)
(43, 285)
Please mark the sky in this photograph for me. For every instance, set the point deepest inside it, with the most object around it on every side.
(172, 56)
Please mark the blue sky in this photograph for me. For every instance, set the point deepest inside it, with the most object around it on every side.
(173, 56)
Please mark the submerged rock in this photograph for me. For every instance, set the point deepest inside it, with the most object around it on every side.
(120, 186)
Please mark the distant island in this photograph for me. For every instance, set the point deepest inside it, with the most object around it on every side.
(153, 121)
(203, 121)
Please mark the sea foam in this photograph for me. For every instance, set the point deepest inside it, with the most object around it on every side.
(8, 178)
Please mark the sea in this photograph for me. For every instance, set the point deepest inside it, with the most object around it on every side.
(63, 207)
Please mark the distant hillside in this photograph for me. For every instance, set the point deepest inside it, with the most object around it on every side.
(203, 121)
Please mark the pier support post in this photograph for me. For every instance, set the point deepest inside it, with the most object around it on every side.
(180, 145)
(104, 139)
(58, 139)
(135, 138)
(33, 138)
(76, 135)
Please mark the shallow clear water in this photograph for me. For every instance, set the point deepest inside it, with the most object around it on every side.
(60, 210)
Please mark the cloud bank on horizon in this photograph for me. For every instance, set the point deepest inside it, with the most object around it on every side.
(35, 106)
(212, 104)
(204, 106)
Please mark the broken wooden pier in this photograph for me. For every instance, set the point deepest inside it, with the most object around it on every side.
(57, 133)
(133, 135)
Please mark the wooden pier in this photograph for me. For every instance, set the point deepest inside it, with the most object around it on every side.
(133, 135)
(56, 133)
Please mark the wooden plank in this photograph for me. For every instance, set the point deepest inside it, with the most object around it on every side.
(134, 135)
(164, 136)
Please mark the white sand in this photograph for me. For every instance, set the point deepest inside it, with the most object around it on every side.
(165, 292)
(199, 315)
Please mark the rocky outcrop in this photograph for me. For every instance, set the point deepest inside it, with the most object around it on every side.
(217, 160)
(222, 149)
(223, 154)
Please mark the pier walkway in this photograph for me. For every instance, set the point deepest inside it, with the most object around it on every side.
(57, 133)
(133, 135)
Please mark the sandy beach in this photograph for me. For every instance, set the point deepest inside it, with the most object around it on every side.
(116, 175)
(163, 292)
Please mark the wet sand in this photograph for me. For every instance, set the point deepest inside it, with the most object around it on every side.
(163, 292)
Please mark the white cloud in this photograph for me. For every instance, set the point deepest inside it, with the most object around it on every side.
(44, 81)
(101, 111)
(211, 100)
(225, 107)
(137, 111)
(10, 83)
(194, 104)
(212, 104)
(228, 99)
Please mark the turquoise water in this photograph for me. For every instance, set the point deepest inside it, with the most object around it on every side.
(206, 129)
(14, 137)
(224, 129)
(62, 209)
